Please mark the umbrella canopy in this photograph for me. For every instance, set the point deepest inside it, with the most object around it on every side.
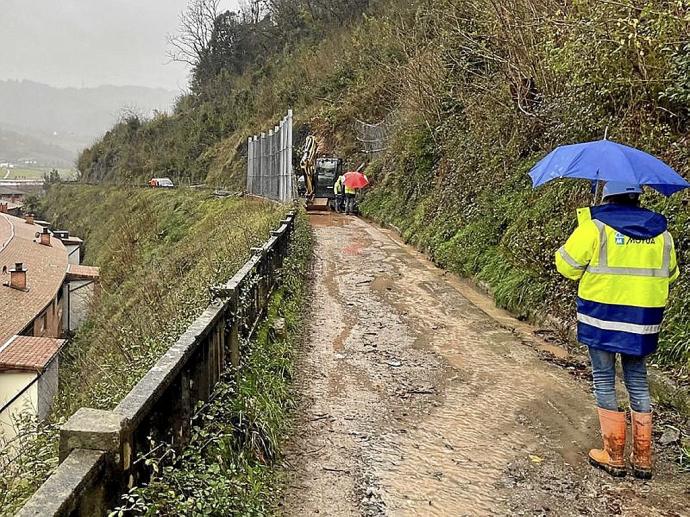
(355, 180)
(605, 160)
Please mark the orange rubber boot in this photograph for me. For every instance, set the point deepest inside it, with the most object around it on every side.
(641, 457)
(612, 457)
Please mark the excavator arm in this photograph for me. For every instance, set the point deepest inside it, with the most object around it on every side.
(308, 165)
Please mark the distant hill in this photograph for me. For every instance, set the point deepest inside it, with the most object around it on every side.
(43, 117)
(15, 147)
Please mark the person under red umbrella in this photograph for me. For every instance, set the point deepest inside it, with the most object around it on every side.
(354, 180)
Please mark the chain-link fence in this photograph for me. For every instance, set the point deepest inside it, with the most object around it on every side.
(269, 163)
(374, 137)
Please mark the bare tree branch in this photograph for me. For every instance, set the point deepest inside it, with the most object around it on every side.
(194, 34)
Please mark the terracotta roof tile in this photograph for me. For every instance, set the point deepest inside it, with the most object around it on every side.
(11, 205)
(79, 272)
(46, 269)
(29, 353)
(72, 240)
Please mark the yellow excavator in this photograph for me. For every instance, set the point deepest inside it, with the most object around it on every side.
(318, 177)
(308, 165)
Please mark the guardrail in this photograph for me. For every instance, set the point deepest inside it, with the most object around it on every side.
(101, 451)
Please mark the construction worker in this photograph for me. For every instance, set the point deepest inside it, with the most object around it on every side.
(339, 191)
(349, 199)
(624, 259)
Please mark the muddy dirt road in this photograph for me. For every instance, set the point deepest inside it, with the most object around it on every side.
(420, 398)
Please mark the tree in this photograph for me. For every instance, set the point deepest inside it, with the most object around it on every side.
(52, 177)
(197, 23)
(253, 10)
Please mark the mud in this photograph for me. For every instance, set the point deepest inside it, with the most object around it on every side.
(419, 397)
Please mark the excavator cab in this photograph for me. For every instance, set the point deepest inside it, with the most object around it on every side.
(328, 170)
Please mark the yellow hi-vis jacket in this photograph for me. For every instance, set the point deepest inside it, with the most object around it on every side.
(339, 185)
(624, 282)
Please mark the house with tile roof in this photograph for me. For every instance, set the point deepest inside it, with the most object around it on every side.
(7, 207)
(11, 193)
(40, 300)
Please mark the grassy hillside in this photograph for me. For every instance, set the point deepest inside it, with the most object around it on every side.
(229, 467)
(159, 253)
(476, 92)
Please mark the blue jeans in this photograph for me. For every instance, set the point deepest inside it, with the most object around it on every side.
(340, 202)
(349, 203)
(634, 375)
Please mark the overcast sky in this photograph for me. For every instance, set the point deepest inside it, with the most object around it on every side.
(91, 42)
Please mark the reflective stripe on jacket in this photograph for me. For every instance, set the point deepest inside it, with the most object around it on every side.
(624, 285)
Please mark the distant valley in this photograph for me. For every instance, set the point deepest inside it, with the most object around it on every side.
(46, 126)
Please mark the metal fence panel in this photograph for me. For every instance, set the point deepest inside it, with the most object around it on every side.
(375, 137)
(269, 163)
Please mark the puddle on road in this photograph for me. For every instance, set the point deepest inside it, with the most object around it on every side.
(327, 219)
(383, 283)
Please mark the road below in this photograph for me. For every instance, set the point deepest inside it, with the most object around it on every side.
(418, 397)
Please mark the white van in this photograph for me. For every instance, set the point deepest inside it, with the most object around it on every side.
(161, 183)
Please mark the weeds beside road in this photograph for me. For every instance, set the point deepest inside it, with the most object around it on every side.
(229, 468)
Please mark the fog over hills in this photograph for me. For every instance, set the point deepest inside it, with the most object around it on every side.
(53, 124)
(15, 147)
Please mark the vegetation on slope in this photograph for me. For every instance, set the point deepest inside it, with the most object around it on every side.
(159, 253)
(475, 91)
(229, 468)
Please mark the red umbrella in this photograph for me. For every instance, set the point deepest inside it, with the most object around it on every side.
(355, 180)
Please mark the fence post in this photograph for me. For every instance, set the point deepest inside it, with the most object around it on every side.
(274, 185)
(250, 164)
(276, 168)
(268, 190)
(280, 161)
(291, 175)
(275, 182)
(256, 161)
(262, 181)
(232, 329)
(284, 158)
(269, 165)
(271, 186)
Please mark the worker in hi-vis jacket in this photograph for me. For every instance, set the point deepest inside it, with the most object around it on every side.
(339, 191)
(624, 259)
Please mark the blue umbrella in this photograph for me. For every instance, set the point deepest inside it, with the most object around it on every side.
(604, 160)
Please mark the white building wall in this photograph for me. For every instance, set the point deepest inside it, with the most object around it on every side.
(12, 383)
(77, 297)
(73, 254)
